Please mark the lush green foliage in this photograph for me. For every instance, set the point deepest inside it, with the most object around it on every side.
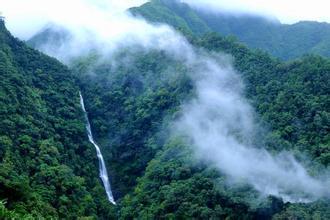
(176, 187)
(127, 105)
(131, 101)
(280, 40)
(131, 105)
(292, 98)
(170, 187)
(180, 16)
(47, 166)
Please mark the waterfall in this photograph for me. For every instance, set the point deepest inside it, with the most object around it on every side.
(103, 170)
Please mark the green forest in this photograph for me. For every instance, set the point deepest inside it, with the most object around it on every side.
(49, 169)
(47, 164)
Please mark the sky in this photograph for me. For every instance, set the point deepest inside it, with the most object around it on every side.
(25, 17)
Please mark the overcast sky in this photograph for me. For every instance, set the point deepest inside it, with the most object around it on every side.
(24, 17)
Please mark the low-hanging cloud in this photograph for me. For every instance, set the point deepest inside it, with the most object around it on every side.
(102, 26)
(220, 124)
(26, 17)
(287, 11)
(219, 121)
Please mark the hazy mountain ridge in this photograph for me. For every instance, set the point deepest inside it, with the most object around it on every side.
(51, 34)
(281, 40)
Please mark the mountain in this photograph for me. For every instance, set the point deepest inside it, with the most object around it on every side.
(48, 169)
(51, 35)
(154, 174)
(281, 40)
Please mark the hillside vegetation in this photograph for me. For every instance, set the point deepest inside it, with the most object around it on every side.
(48, 168)
(131, 107)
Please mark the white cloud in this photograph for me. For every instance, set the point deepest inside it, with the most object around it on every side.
(25, 17)
(288, 11)
(220, 124)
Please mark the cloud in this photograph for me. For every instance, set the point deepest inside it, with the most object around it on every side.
(26, 17)
(220, 123)
(92, 25)
(287, 11)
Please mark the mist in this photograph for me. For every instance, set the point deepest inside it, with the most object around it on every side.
(26, 18)
(221, 125)
(287, 11)
(101, 26)
(218, 122)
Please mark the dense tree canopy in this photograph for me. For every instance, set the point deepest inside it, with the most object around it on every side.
(48, 168)
(131, 107)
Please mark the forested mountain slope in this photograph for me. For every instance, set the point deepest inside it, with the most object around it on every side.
(292, 97)
(53, 34)
(48, 169)
(288, 102)
(131, 107)
(281, 40)
(155, 175)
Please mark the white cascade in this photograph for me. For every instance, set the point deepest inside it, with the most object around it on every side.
(103, 170)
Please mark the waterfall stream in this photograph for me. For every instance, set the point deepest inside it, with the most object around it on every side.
(103, 170)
